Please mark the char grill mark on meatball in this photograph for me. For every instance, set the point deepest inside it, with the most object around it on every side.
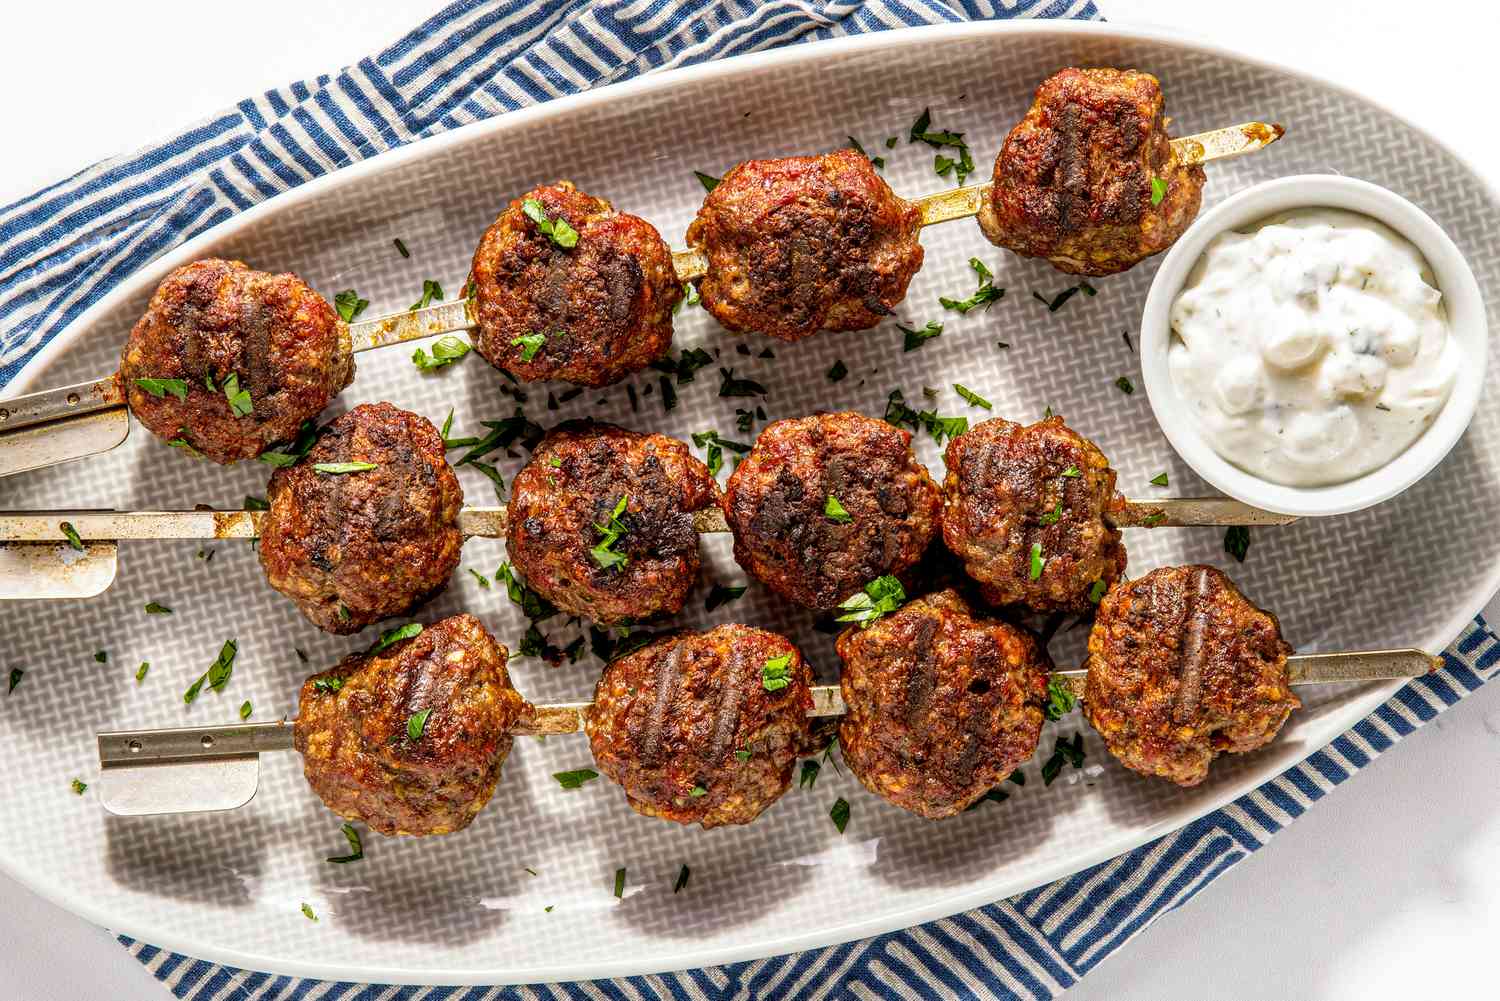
(352, 549)
(942, 704)
(1182, 668)
(571, 486)
(1010, 488)
(802, 244)
(776, 502)
(1074, 180)
(214, 319)
(359, 756)
(688, 728)
(603, 306)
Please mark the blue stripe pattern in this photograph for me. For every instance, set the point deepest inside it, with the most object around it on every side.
(64, 247)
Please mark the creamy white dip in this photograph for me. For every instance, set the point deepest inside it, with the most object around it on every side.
(1312, 349)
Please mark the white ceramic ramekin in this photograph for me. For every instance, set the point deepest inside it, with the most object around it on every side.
(1461, 300)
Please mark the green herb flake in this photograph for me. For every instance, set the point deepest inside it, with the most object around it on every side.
(356, 847)
(1158, 190)
(971, 397)
(245, 709)
(575, 778)
(493, 475)
(708, 181)
(445, 351)
(530, 344)
(253, 503)
(102, 656)
(808, 777)
(484, 581)
(218, 673)
(879, 597)
(697, 791)
(1237, 541)
(1054, 516)
(730, 386)
(349, 304)
(74, 540)
(834, 511)
(1064, 752)
(339, 468)
(396, 635)
(720, 594)
(240, 404)
(160, 388)
(1071, 473)
(307, 912)
(1060, 698)
(839, 814)
(401, 247)
(1124, 385)
(776, 673)
(1036, 560)
(557, 230)
(742, 755)
(140, 672)
(1056, 302)
(329, 685)
(682, 878)
(878, 161)
(431, 291)
(16, 674)
(79, 787)
(157, 608)
(620, 883)
(838, 371)
(1159, 480)
(1097, 591)
(416, 724)
(611, 531)
(914, 339)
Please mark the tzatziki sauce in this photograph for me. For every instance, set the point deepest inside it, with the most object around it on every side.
(1312, 349)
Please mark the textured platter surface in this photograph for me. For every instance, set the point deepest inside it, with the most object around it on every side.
(467, 908)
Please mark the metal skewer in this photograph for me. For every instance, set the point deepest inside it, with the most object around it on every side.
(55, 425)
(209, 768)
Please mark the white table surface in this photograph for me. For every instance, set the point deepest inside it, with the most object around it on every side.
(1377, 892)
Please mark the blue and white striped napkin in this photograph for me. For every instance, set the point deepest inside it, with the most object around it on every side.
(66, 246)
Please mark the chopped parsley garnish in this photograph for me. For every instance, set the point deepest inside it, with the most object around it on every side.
(337, 468)
(808, 777)
(484, 581)
(246, 709)
(879, 597)
(1056, 302)
(157, 608)
(878, 161)
(1237, 541)
(1158, 190)
(79, 787)
(102, 656)
(1124, 385)
(289, 453)
(742, 755)
(686, 367)
(914, 339)
(986, 294)
(1036, 560)
(575, 778)
(682, 878)
(349, 304)
(217, 675)
(1060, 699)
(557, 229)
(708, 181)
(401, 247)
(697, 791)
(690, 297)
(301, 654)
(1063, 752)
(356, 847)
(730, 386)
(612, 531)
(898, 413)
(776, 673)
(838, 371)
(532, 605)
(1052, 517)
(445, 351)
(668, 394)
(973, 398)
(396, 635)
(253, 503)
(159, 388)
(140, 672)
(1071, 472)
(1097, 591)
(1125, 335)
(416, 724)
(921, 131)
(430, 290)
(74, 540)
(720, 595)
(16, 674)
(839, 814)
(1159, 480)
(530, 344)
(834, 511)
(494, 477)
(715, 446)
(503, 434)
(307, 912)
(620, 882)
(329, 685)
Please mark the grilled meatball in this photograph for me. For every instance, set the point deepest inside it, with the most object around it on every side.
(603, 307)
(942, 704)
(355, 724)
(216, 329)
(803, 244)
(1181, 668)
(357, 547)
(703, 728)
(792, 537)
(1074, 180)
(1025, 508)
(562, 518)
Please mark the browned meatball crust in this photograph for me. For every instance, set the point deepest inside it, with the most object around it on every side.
(354, 548)
(703, 728)
(803, 244)
(1182, 668)
(942, 704)
(603, 306)
(777, 505)
(1010, 489)
(1073, 182)
(214, 321)
(561, 506)
(355, 723)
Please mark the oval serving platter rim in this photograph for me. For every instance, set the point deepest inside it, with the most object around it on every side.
(1277, 760)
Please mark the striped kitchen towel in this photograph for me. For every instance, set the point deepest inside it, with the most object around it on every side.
(68, 245)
